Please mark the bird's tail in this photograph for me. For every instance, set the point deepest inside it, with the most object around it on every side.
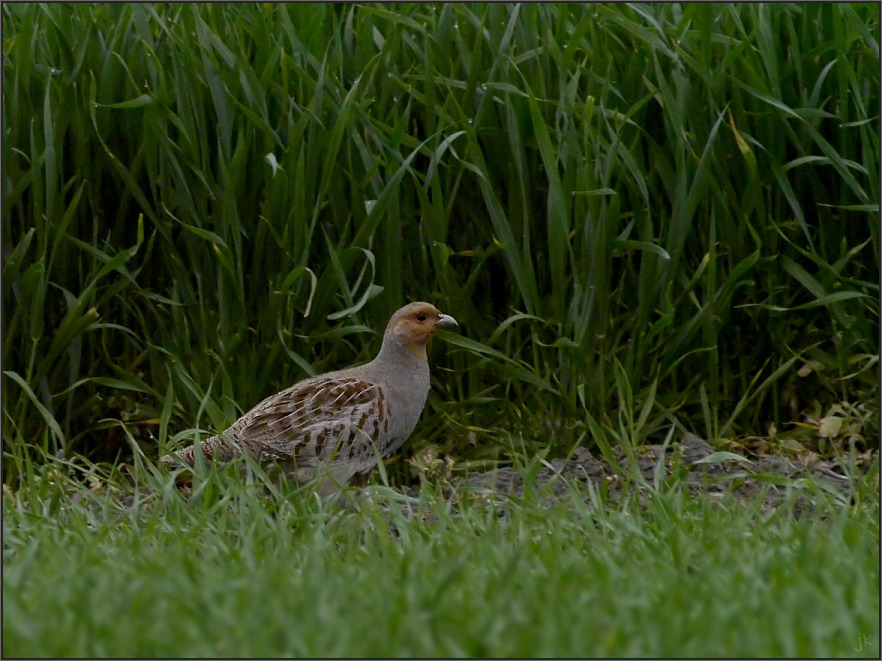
(213, 449)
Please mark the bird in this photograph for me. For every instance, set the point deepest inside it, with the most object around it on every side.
(335, 427)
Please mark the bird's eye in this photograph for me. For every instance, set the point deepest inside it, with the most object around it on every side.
(421, 316)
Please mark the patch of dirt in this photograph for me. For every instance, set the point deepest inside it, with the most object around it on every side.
(692, 462)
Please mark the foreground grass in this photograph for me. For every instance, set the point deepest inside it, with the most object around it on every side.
(223, 571)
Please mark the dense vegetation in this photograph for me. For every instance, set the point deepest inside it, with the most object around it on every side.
(648, 219)
(202, 204)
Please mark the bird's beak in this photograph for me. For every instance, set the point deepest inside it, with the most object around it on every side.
(445, 320)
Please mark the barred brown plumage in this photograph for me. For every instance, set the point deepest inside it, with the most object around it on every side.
(335, 426)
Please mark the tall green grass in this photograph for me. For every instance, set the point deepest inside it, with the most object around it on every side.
(203, 203)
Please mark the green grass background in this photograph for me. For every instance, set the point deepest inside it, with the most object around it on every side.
(203, 204)
(647, 218)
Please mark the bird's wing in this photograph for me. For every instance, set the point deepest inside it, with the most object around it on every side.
(317, 420)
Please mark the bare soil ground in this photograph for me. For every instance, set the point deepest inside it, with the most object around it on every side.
(697, 466)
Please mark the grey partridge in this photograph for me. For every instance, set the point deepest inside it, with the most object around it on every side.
(337, 425)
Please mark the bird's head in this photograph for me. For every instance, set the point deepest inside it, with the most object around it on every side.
(413, 325)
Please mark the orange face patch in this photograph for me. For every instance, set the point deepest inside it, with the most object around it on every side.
(414, 324)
